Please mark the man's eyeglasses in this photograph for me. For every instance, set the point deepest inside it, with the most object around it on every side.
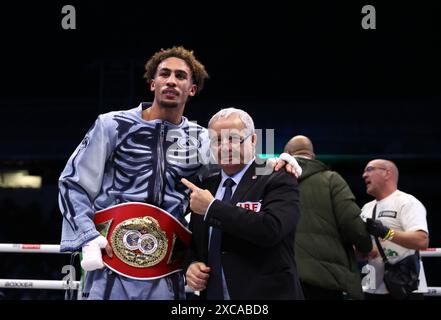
(231, 139)
(372, 168)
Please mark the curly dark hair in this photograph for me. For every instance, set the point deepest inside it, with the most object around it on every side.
(199, 75)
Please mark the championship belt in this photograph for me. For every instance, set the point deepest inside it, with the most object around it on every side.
(147, 242)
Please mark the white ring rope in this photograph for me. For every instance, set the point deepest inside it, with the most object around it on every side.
(433, 291)
(431, 252)
(75, 285)
(39, 284)
(55, 248)
(30, 248)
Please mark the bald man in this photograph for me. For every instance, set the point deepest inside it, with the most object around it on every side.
(300, 146)
(328, 230)
(400, 222)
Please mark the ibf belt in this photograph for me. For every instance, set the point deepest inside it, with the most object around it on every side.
(147, 242)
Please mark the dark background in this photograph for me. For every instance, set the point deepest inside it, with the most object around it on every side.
(301, 68)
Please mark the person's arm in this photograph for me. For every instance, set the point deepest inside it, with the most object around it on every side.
(289, 162)
(196, 272)
(197, 275)
(79, 184)
(347, 213)
(278, 216)
(413, 220)
(417, 240)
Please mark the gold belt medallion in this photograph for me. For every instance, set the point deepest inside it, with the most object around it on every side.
(140, 242)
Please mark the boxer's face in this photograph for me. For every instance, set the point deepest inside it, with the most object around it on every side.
(231, 143)
(172, 84)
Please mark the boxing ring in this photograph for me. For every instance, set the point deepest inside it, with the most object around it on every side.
(70, 285)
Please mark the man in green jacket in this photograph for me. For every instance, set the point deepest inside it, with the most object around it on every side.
(329, 231)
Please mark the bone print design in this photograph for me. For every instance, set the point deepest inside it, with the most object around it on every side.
(150, 159)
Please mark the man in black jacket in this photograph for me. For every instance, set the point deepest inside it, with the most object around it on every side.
(242, 245)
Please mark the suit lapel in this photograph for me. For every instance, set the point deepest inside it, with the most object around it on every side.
(245, 184)
(213, 183)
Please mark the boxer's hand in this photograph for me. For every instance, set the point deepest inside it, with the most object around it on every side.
(197, 276)
(92, 257)
(290, 163)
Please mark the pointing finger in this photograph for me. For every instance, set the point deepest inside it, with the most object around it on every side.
(189, 185)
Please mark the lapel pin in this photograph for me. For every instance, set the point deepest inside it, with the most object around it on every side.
(254, 177)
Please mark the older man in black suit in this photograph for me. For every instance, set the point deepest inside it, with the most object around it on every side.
(243, 221)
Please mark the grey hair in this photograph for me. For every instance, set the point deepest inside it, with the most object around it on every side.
(244, 116)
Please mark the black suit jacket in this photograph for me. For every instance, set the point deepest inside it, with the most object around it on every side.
(257, 247)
